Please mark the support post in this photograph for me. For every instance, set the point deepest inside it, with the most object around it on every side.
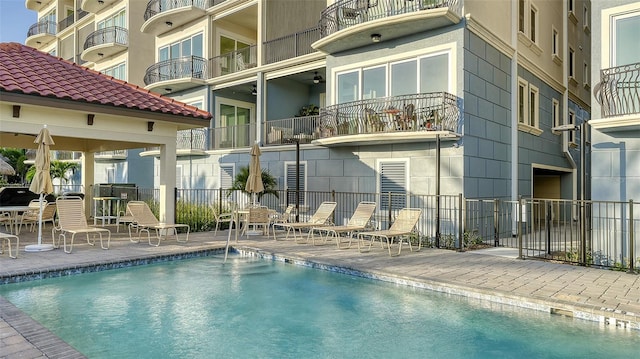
(438, 191)
(631, 240)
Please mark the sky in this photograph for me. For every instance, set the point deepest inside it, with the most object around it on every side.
(15, 20)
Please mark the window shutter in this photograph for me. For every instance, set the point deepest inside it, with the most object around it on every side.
(291, 182)
(393, 179)
(226, 176)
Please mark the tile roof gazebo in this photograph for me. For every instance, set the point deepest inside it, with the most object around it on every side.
(89, 112)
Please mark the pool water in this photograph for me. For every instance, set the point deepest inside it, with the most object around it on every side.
(252, 308)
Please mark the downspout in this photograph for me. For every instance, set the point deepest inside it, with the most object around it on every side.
(565, 97)
(514, 103)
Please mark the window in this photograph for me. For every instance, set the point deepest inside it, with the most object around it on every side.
(624, 32)
(235, 117)
(571, 4)
(522, 101)
(393, 178)
(572, 64)
(226, 175)
(394, 79)
(119, 71)
(533, 24)
(111, 174)
(555, 40)
(521, 10)
(572, 121)
(585, 18)
(119, 20)
(585, 74)
(191, 46)
(290, 181)
(533, 106)
(555, 112)
(179, 176)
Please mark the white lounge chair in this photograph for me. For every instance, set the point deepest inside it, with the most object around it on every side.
(225, 214)
(6, 237)
(144, 220)
(322, 217)
(359, 221)
(71, 221)
(403, 226)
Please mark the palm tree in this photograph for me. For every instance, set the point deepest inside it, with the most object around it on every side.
(58, 169)
(240, 182)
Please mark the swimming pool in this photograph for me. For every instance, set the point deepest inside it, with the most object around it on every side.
(252, 308)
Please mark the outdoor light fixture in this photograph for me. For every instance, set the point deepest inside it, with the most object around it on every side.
(168, 89)
(16, 111)
(254, 90)
(169, 23)
(90, 118)
(100, 54)
(101, 2)
(317, 78)
(150, 126)
(376, 37)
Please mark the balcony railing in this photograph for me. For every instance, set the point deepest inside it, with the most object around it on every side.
(194, 139)
(66, 22)
(346, 13)
(42, 27)
(302, 129)
(173, 69)
(619, 90)
(230, 137)
(109, 35)
(115, 154)
(81, 13)
(155, 7)
(234, 61)
(437, 111)
(290, 46)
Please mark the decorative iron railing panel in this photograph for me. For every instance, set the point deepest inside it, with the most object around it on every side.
(173, 69)
(301, 129)
(194, 139)
(290, 46)
(66, 22)
(234, 61)
(109, 35)
(420, 112)
(238, 136)
(155, 7)
(42, 27)
(618, 92)
(346, 13)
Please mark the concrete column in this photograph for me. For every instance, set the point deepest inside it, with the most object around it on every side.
(87, 179)
(167, 179)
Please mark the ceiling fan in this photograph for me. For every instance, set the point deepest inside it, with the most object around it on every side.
(317, 78)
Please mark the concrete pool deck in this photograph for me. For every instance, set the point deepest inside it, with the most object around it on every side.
(609, 297)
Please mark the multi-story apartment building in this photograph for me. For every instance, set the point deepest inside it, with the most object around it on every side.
(615, 75)
(102, 35)
(376, 93)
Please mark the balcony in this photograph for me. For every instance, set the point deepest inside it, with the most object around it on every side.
(192, 142)
(117, 155)
(40, 33)
(37, 5)
(234, 61)
(95, 6)
(161, 15)
(104, 43)
(302, 129)
(349, 24)
(398, 119)
(176, 74)
(618, 92)
(291, 46)
(231, 137)
(66, 22)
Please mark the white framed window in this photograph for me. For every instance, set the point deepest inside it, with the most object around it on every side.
(237, 118)
(585, 19)
(555, 112)
(226, 175)
(555, 42)
(190, 46)
(534, 95)
(110, 172)
(623, 45)
(118, 71)
(572, 121)
(119, 19)
(522, 101)
(290, 181)
(572, 64)
(393, 176)
(533, 24)
(585, 75)
(571, 5)
(521, 17)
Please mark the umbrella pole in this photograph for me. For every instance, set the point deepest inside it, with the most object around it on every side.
(39, 247)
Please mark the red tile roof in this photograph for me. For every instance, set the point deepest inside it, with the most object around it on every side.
(29, 71)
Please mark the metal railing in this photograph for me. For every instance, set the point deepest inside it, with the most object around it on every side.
(109, 35)
(618, 92)
(420, 112)
(238, 136)
(66, 22)
(173, 69)
(346, 13)
(42, 27)
(234, 61)
(303, 129)
(194, 139)
(290, 46)
(114, 153)
(81, 13)
(155, 7)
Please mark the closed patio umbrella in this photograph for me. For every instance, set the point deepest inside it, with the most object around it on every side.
(41, 183)
(254, 182)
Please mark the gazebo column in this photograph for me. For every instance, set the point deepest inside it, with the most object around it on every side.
(167, 180)
(87, 179)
